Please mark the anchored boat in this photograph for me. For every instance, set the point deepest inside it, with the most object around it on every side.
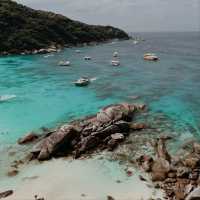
(115, 63)
(150, 57)
(135, 41)
(84, 81)
(64, 63)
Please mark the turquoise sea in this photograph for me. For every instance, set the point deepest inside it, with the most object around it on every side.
(46, 96)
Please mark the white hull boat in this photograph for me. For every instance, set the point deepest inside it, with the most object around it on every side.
(82, 82)
(115, 63)
(64, 63)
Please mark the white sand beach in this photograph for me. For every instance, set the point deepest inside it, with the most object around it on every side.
(90, 179)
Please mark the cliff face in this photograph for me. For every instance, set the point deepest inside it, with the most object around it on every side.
(22, 28)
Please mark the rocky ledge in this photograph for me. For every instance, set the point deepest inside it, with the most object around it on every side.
(177, 175)
(6, 194)
(105, 130)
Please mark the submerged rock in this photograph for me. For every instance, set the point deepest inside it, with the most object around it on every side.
(13, 172)
(137, 126)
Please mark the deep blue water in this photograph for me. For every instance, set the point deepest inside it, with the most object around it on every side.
(45, 95)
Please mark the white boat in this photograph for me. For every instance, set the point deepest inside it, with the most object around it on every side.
(78, 51)
(135, 42)
(115, 63)
(6, 97)
(150, 57)
(64, 63)
(87, 58)
(115, 54)
(84, 81)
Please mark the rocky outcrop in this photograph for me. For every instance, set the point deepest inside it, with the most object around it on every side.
(30, 137)
(178, 176)
(55, 142)
(6, 194)
(105, 130)
(194, 195)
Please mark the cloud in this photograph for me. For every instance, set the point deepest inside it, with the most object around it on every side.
(132, 15)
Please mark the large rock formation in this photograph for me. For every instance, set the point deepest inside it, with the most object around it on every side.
(105, 130)
(6, 194)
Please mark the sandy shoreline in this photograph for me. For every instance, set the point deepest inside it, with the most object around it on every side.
(90, 179)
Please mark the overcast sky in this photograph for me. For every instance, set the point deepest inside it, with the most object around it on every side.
(131, 15)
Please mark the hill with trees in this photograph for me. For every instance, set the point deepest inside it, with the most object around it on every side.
(26, 29)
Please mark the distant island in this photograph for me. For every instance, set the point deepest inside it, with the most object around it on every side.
(25, 30)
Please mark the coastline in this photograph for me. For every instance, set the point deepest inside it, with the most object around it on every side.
(159, 128)
(126, 172)
(58, 47)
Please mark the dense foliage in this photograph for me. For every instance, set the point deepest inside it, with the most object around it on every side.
(22, 28)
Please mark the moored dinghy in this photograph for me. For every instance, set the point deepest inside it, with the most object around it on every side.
(135, 41)
(83, 81)
(64, 63)
(115, 63)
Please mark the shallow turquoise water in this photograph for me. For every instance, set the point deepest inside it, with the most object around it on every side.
(45, 95)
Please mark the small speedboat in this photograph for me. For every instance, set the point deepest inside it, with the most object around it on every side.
(135, 42)
(64, 63)
(78, 51)
(87, 58)
(84, 81)
(115, 54)
(150, 57)
(115, 63)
